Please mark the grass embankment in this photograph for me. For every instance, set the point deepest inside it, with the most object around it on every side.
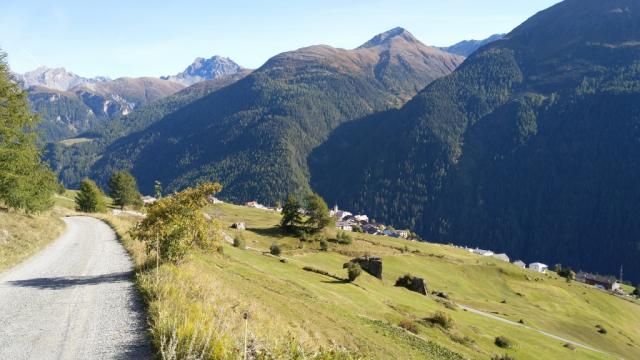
(23, 235)
(201, 303)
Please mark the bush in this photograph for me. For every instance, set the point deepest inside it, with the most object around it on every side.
(601, 329)
(503, 357)
(353, 270)
(344, 238)
(569, 346)
(324, 245)
(176, 224)
(462, 340)
(275, 250)
(239, 242)
(504, 342)
(405, 281)
(442, 319)
(409, 326)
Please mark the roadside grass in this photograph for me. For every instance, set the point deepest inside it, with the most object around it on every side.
(23, 235)
(198, 307)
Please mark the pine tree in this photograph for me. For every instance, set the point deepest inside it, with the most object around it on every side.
(318, 212)
(90, 198)
(291, 213)
(124, 189)
(25, 181)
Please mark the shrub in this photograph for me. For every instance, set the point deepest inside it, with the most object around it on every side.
(275, 250)
(462, 340)
(324, 245)
(405, 281)
(442, 319)
(239, 242)
(601, 329)
(353, 270)
(504, 342)
(175, 224)
(569, 346)
(503, 357)
(344, 238)
(409, 326)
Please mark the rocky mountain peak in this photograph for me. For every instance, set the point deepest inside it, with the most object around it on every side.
(206, 69)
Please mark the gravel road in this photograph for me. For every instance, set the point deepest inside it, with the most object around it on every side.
(73, 300)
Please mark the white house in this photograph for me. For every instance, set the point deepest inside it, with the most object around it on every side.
(215, 200)
(361, 218)
(502, 257)
(538, 267)
(520, 264)
(343, 225)
(482, 252)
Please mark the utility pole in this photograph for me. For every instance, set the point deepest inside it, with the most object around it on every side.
(245, 315)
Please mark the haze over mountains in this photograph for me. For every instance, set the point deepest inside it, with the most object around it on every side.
(70, 104)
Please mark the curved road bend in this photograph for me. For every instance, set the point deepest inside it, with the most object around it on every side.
(73, 300)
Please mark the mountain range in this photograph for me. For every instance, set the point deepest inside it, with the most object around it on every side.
(468, 47)
(530, 147)
(255, 134)
(206, 69)
(70, 104)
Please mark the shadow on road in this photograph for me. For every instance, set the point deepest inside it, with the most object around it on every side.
(71, 281)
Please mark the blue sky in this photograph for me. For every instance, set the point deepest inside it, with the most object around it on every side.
(152, 38)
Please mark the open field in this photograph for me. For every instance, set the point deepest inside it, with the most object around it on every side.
(23, 235)
(293, 312)
(74, 141)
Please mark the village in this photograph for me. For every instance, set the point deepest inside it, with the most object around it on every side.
(361, 223)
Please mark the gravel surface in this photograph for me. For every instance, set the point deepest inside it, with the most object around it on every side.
(73, 300)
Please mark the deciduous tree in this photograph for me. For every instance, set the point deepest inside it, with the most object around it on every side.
(176, 224)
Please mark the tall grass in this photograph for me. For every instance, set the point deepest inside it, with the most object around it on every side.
(23, 235)
(193, 315)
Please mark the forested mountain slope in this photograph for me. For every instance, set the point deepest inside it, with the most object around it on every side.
(86, 105)
(73, 163)
(254, 135)
(530, 147)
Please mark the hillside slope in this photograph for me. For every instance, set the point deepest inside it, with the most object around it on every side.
(468, 47)
(294, 307)
(73, 163)
(86, 105)
(530, 147)
(255, 135)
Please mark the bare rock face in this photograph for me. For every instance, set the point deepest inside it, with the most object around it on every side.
(206, 69)
(55, 78)
(370, 264)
